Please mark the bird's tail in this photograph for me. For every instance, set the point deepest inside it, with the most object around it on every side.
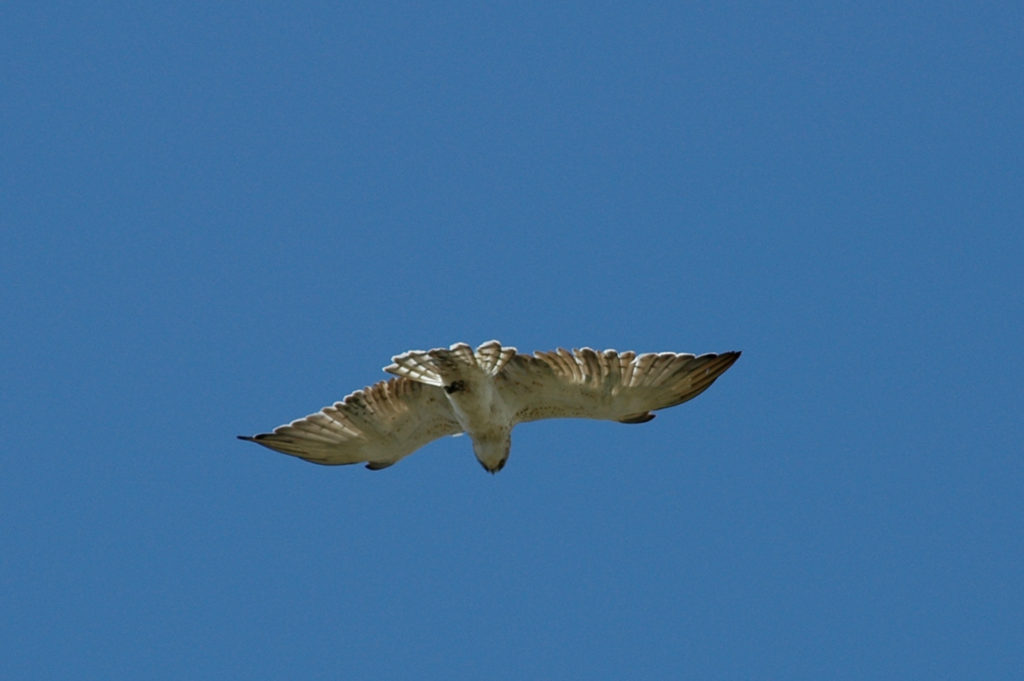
(441, 366)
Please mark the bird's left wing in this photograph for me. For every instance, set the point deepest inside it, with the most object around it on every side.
(378, 425)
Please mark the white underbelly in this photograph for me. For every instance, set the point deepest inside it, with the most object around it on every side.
(480, 409)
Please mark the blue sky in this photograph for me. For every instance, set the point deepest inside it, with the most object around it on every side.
(219, 218)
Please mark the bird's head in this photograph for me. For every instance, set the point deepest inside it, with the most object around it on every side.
(492, 450)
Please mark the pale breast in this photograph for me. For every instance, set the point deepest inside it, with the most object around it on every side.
(478, 406)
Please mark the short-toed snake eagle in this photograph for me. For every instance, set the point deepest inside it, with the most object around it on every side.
(485, 394)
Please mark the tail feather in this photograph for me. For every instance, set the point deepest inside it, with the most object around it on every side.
(492, 357)
(416, 365)
(441, 366)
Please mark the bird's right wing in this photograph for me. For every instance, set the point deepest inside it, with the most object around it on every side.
(618, 386)
(378, 425)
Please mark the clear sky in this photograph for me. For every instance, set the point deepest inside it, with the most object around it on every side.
(218, 217)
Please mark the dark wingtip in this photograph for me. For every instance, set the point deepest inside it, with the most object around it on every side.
(638, 418)
(247, 438)
(723, 361)
(730, 358)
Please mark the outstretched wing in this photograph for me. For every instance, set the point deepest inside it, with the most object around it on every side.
(618, 386)
(379, 425)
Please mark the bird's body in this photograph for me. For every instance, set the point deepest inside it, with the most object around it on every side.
(447, 391)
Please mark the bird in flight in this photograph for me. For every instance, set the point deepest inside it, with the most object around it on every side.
(450, 391)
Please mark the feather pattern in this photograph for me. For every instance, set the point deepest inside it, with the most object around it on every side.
(609, 385)
(378, 425)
